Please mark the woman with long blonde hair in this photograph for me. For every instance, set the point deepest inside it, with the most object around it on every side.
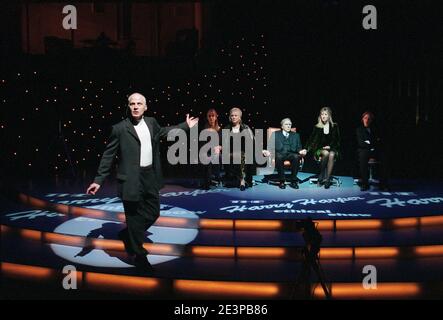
(324, 142)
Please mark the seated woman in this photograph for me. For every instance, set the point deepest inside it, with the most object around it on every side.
(212, 170)
(324, 142)
(369, 146)
(238, 174)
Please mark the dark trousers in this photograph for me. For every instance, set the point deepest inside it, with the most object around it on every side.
(363, 157)
(140, 215)
(236, 172)
(280, 165)
(212, 169)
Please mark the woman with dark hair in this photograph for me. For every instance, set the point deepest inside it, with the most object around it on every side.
(212, 169)
(324, 142)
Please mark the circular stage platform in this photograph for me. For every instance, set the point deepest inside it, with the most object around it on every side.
(243, 243)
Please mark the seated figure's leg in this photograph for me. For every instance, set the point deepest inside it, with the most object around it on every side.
(279, 164)
(233, 171)
(295, 164)
(330, 167)
(324, 157)
(363, 158)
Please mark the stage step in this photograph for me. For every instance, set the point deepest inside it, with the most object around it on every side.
(253, 248)
(337, 270)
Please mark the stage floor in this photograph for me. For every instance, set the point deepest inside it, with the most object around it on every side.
(228, 235)
(265, 201)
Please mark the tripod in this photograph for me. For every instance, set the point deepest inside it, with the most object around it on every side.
(311, 261)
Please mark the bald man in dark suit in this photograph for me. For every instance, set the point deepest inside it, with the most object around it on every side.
(135, 141)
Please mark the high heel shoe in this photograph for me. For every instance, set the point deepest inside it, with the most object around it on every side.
(242, 185)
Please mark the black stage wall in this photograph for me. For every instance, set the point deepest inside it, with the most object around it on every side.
(314, 54)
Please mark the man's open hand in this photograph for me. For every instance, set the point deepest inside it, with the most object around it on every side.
(93, 188)
(191, 121)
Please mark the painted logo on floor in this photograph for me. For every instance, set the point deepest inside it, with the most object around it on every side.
(86, 253)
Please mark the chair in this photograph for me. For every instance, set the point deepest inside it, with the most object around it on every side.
(372, 162)
(273, 178)
(335, 181)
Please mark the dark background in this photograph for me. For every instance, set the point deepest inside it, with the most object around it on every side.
(311, 53)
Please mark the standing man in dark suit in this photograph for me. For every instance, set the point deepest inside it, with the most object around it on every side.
(369, 146)
(135, 141)
(287, 147)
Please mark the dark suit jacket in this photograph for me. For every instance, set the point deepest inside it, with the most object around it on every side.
(124, 143)
(362, 135)
(294, 141)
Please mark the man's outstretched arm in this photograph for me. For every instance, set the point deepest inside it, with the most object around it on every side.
(189, 123)
(108, 157)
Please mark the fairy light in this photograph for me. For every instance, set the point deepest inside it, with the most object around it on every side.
(240, 75)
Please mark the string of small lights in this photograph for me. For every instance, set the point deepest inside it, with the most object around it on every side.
(52, 121)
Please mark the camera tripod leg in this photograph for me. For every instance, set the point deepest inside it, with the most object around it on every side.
(302, 281)
(321, 278)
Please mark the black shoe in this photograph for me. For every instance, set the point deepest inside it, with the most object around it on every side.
(206, 186)
(142, 264)
(327, 184)
(294, 185)
(364, 187)
(320, 182)
(124, 236)
(282, 185)
(242, 187)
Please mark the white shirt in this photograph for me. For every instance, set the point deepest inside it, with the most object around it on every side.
(145, 140)
(286, 134)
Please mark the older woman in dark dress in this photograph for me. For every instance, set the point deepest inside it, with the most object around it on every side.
(240, 175)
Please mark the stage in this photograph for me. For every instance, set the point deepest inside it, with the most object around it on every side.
(224, 243)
